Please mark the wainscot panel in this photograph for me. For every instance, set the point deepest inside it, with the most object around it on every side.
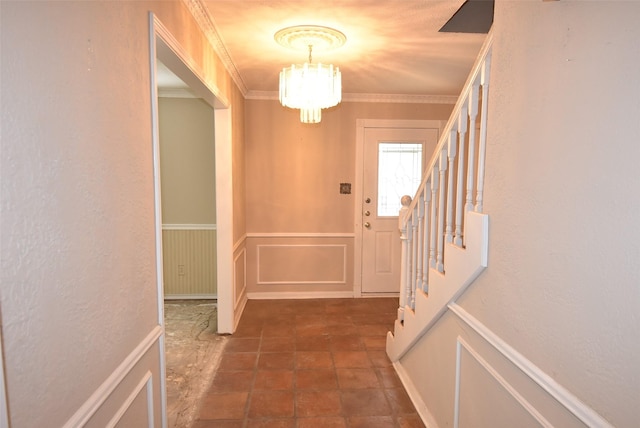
(130, 393)
(472, 378)
(319, 265)
(189, 260)
(239, 279)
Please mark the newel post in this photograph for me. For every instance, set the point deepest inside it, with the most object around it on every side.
(404, 238)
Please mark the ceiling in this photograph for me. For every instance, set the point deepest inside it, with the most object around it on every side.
(393, 47)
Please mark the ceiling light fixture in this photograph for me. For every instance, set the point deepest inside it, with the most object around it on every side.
(310, 87)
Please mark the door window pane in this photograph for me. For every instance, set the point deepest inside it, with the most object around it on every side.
(399, 174)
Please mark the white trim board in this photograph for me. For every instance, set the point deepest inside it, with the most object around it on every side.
(4, 413)
(224, 216)
(158, 35)
(100, 395)
(238, 296)
(145, 383)
(393, 294)
(526, 405)
(190, 297)
(422, 409)
(239, 243)
(176, 226)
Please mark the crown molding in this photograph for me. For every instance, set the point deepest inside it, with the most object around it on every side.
(370, 98)
(199, 11)
(262, 95)
(400, 98)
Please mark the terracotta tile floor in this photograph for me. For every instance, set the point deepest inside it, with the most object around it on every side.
(309, 363)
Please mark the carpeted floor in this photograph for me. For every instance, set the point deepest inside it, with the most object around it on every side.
(193, 350)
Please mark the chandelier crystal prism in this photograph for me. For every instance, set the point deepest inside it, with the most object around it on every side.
(310, 87)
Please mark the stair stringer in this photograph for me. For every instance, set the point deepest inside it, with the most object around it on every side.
(461, 267)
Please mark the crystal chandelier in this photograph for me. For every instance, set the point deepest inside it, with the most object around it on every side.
(310, 87)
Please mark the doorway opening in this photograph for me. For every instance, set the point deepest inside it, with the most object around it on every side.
(213, 223)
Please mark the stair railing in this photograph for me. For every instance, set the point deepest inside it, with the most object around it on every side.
(451, 188)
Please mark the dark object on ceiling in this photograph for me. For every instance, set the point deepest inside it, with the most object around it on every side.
(474, 16)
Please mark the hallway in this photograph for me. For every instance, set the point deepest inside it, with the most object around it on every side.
(309, 363)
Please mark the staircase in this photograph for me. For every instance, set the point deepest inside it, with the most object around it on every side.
(444, 232)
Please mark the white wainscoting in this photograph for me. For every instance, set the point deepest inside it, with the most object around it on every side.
(131, 392)
(555, 391)
(239, 280)
(514, 409)
(138, 406)
(414, 394)
(298, 266)
(494, 384)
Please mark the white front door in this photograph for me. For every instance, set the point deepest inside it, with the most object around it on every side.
(393, 163)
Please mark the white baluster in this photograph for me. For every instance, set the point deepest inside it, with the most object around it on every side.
(425, 239)
(462, 129)
(410, 262)
(418, 240)
(404, 286)
(482, 147)
(450, 197)
(433, 220)
(441, 206)
(415, 224)
(473, 112)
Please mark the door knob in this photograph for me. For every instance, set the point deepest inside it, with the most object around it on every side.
(367, 225)
(367, 213)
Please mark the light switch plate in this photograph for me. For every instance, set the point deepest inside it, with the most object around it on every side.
(345, 188)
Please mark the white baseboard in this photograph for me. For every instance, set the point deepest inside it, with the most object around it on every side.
(190, 297)
(426, 416)
(238, 311)
(301, 295)
(365, 295)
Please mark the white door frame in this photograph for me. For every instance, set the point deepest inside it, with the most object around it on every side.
(361, 125)
(4, 412)
(165, 47)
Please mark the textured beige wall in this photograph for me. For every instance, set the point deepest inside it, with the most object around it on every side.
(294, 170)
(187, 161)
(293, 176)
(78, 283)
(561, 191)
